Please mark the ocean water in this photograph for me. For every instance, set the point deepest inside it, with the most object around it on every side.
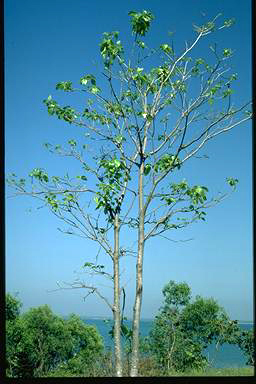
(225, 356)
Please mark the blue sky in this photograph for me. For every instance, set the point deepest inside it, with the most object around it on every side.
(51, 41)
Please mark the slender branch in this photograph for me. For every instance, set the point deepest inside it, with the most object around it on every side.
(79, 285)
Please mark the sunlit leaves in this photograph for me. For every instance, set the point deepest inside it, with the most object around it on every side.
(208, 68)
(162, 74)
(90, 79)
(95, 116)
(113, 176)
(72, 143)
(94, 90)
(216, 88)
(197, 194)
(227, 52)
(169, 200)
(181, 192)
(129, 95)
(12, 180)
(179, 86)
(195, 71)
(94, 267)
(84, 178)
(114, 108)
(119, 139)
(232, 182)
(141, 44)
(227, 92)
(199, 61)
(140, 21)
(141, 79)
(166, 162)
(248, 113)
(207, 27)
(52, 201)
(39, 174)
(66, 113)
(147, 169)
(228, 23)
(166, 48)
(69, 198)
(233, 77)
(110, 47)
(65, 86)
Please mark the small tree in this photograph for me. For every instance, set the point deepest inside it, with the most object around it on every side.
(38, 341)
(183, 329)
(152, 119)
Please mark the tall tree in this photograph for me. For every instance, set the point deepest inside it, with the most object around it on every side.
(152, 118)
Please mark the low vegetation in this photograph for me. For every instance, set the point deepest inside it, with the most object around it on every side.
(42, 344)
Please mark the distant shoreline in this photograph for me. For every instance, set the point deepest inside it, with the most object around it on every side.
(143, 319)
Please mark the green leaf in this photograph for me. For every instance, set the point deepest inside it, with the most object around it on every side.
(140, 21)
(65, 86)
(117, 163)
(141, 44)
(199, 61)
(227, 93)
(147, 169)
(83, 81)
(228, 23)
(84, 178)
(232, 182)
(166, 48)
(94, 90)
(119, 139)
(227, 52)
(72, 143)
(88, 264)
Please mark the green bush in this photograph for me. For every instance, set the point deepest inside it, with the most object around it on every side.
(12, 307)
(39, 341)
(245, 341)
(183, 329)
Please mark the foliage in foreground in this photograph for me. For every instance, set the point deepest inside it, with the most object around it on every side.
(183, 330)
(41, 344)
(38, 341)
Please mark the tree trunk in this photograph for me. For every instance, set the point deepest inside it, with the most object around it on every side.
(116, 309)
(138, 294)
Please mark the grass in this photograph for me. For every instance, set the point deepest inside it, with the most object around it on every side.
(244, 371)
(148, 368)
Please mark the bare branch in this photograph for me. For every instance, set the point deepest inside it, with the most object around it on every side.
(92, 289)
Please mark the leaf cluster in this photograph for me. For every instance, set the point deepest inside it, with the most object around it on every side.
(140, 21)
(66, 113)
(110, 48)
(112, 179)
